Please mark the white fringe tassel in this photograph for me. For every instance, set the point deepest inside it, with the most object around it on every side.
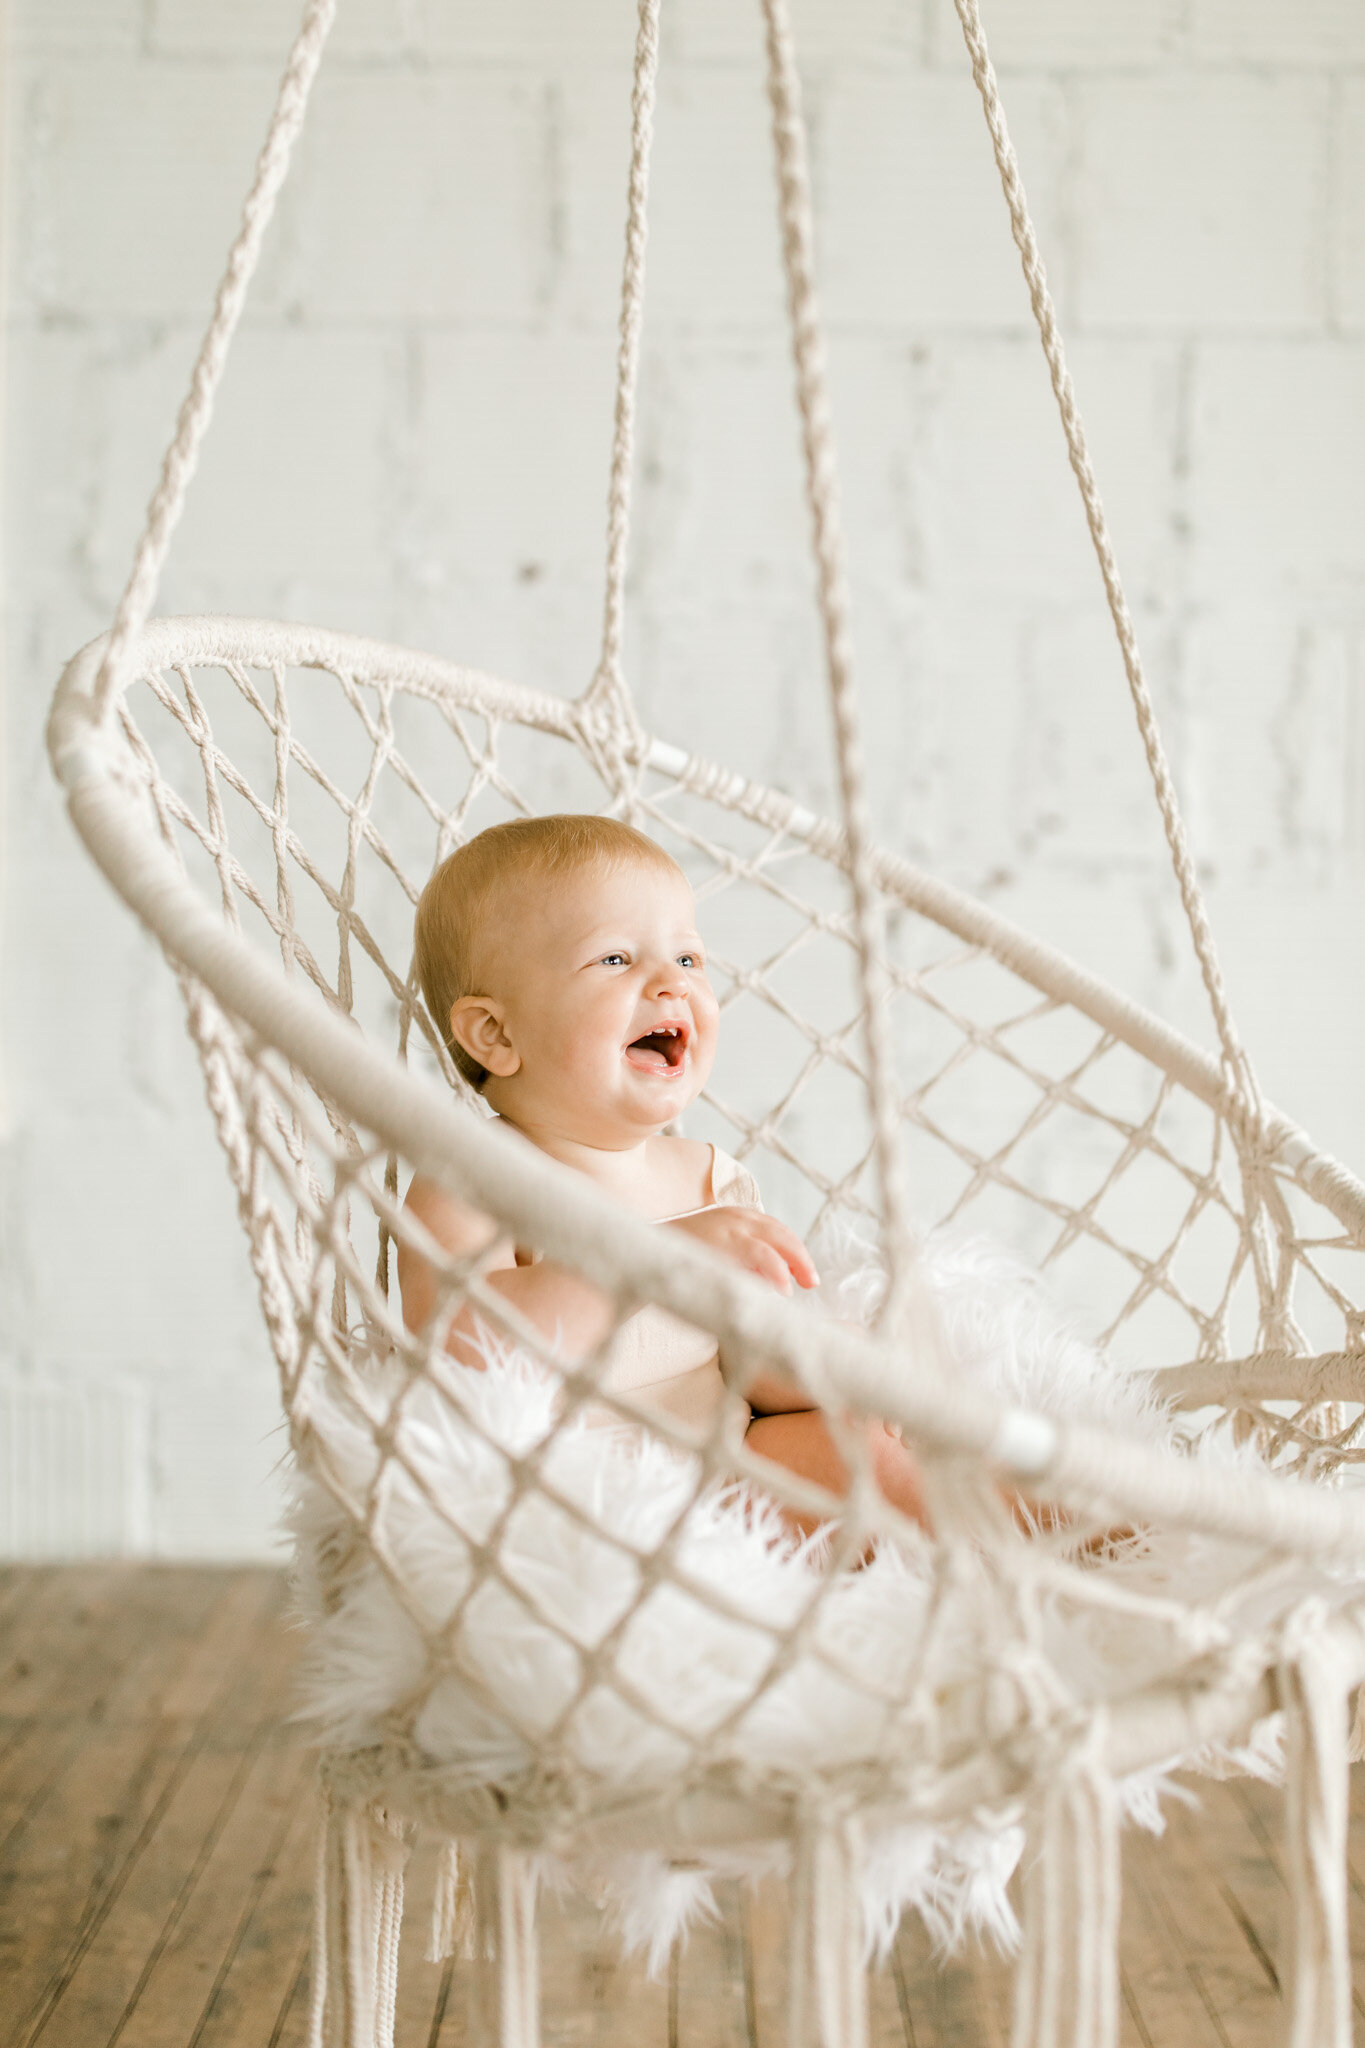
(1067, 1984)
(828, 1981)
(1355, 1750)
(506, 1978)
(358, 1917)
(1314, 1690)
(485, 1911)
(518, 1950)
(453, 1909)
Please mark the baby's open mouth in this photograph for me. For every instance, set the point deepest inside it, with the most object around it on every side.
(660, 1052)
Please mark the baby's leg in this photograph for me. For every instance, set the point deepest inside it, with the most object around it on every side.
(802, 1441)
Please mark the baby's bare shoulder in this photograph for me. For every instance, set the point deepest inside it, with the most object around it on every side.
(455, 1226)
(456, 1229)
(682, 1171)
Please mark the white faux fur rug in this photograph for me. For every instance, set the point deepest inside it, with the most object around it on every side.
(693, 1666)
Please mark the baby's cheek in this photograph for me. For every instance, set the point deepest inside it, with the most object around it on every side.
(704, 1053)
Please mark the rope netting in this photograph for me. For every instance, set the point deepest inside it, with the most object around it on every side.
(308, 784)
(550, 1656)
(1019, 1114)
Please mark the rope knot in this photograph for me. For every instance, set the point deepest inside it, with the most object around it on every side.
(611, 735)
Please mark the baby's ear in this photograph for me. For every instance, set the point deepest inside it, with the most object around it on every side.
(476, 1023)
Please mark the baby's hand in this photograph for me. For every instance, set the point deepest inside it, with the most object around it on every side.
(758, 1242)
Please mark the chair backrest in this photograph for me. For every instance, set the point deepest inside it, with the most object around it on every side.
(312, 781)
(308, 783)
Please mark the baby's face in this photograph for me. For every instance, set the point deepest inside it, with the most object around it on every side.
(601, 980)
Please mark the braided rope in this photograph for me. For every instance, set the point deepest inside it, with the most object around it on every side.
(609, 714)
(1241, 1077)
(182, 457)
(301, 1139)
(822, 494)
(930, 1737)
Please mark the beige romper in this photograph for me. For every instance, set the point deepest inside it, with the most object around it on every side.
(671, 1365)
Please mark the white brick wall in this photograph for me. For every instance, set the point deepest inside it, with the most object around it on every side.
(413, 442)
(1202, 201)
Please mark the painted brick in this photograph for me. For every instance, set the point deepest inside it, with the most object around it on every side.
(999, 507)
(897, 681)
(724, 507)
(1277, 486)
(1348, 252)
(285, 510)
(714, 249)
(505, 534)
(972, 794)
(216, 1447)
(56, 1057)
(1277, 31)
(588, 127)
(879, 429)
(1200, 202)
(115, 1186)
(461, 31)
(862, 30)
(1281, 758)
(134, 175)
(423, 196)
(295, 481)
(1027, 34)
(1299, 991)
(737, 683)
(1090, 807)
(99, 405)
(266, 28)
(1061, 789)
(81, 26)
(539, 31)
(913, 224)
(713, 255)
(513, 447)
(73, 1470)
(413, 441)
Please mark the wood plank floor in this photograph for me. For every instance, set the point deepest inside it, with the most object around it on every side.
(156, 1867)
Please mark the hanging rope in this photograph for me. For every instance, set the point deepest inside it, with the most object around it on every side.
(1240, 1075)
(1314, 1686)
(181, 458)
(608, 713)
(822, 492)
(1067, 1986)
(827, 1974)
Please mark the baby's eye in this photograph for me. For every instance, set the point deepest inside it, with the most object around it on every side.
(612, 960)
(692, 960)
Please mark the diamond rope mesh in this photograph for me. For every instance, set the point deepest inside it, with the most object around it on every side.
(910, 1040)
(1018, 1113)
(310, 796)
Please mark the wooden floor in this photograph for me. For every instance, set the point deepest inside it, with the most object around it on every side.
(155, 1867)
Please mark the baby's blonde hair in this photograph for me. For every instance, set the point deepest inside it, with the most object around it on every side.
(456, 901)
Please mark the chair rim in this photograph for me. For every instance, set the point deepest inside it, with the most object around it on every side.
(428, 1129)
(216, 639)
(1200, 1706)
(1207, 1700)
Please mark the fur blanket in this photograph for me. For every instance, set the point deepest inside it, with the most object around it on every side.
(694, 1667)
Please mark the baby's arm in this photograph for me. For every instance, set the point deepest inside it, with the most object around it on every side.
(774, 1253)
(787, 1426)
(573, 1315)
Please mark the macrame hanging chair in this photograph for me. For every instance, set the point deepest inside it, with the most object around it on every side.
(241, 781)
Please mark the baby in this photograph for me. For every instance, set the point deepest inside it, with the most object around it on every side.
(562, 955)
